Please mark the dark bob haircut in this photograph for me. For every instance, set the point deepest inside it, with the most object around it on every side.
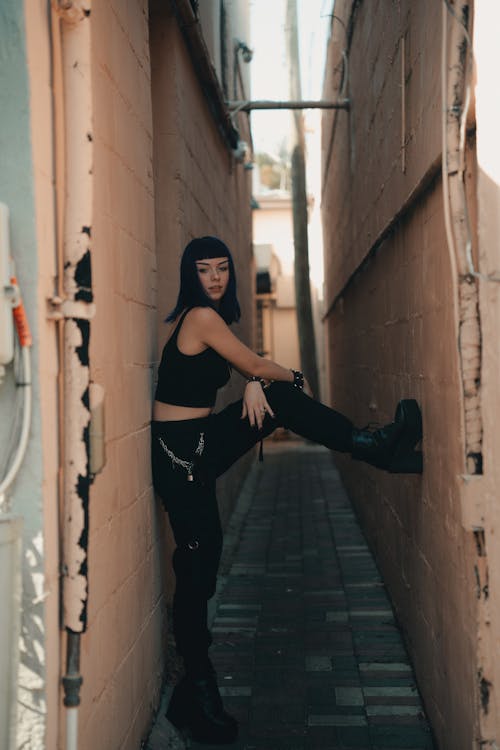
(191, 292)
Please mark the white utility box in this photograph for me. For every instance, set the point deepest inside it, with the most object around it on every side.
(6, 323)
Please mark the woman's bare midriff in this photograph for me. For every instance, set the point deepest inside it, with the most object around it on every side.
(170, 413)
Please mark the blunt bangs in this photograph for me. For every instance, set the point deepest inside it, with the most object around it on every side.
(191, 292)
(205, 247)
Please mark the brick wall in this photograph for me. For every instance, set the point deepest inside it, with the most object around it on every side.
(392, 331)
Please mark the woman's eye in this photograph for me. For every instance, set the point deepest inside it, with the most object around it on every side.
(207, 270)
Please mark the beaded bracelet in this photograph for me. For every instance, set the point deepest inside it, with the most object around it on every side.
(256, 379)
(298, 379)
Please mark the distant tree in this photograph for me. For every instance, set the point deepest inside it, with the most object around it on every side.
(274, 171)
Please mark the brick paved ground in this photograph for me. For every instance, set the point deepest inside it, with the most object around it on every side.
(306, 648)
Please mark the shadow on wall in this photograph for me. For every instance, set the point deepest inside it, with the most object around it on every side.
(32, 631)
(32, 649)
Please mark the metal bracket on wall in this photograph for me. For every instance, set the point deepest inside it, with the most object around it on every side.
(62, 309)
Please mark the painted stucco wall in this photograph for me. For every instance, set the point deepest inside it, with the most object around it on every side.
(392, 333)
(25, 164)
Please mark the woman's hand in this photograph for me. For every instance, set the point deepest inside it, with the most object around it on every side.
(255, 405)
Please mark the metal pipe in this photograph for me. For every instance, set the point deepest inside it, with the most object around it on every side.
(76, 309)
(455, 100)
(72, 309)
(242, 106)
(72, 682)
(454, 89)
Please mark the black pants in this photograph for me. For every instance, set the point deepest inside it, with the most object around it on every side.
(192, 505)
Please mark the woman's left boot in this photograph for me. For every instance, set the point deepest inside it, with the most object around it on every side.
(392, 447)
(196, 709)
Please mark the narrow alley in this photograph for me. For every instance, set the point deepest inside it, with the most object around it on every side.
(306, 648)
(130, 128)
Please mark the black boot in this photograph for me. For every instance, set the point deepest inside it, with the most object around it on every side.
(392, 447)
(196, 708)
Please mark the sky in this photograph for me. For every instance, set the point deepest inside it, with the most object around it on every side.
(269, 80)
(269, 72)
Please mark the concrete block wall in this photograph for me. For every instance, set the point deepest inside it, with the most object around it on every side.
(370, 163)
(122, 650)
(199, 190)
(134, 277)
(391, 338)
(392, 335)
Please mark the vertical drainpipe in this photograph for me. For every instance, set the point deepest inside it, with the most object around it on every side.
(455, 76)
(74, 309)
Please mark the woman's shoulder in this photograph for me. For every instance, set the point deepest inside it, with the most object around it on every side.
(204, 315)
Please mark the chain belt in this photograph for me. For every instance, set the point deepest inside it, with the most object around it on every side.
(187, 465)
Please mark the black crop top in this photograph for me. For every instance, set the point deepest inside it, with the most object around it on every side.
(190, 379)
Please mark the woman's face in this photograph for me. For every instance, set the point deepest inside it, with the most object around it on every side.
(213, 274)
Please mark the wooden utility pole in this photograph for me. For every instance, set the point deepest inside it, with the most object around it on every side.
(307, 342)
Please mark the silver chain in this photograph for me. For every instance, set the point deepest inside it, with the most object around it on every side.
(187, 465)
(201, 444)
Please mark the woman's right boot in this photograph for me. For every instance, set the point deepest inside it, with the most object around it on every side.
(392, 447)
(196, 708)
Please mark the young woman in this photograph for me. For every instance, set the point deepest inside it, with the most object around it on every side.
(192, 446)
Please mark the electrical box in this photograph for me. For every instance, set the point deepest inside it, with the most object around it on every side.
(6, 323)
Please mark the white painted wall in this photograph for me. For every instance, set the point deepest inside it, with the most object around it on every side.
(16, 190)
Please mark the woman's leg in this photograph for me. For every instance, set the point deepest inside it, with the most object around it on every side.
(194, 517)
(198, 536)
(293, 409)
(390, 447)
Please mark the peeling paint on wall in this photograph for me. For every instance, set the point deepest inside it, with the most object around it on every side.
(77, 306)
(470, 360)
(485, 689)
(77, 333)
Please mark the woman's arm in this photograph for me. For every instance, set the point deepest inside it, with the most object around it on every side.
(210, 329)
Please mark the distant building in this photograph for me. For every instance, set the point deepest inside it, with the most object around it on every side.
(276, 314)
